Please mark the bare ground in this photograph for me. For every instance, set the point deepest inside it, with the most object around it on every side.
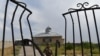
(29, 51)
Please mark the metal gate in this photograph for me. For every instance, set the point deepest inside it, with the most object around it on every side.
(70, 12)
(24, 6)
(83, 9)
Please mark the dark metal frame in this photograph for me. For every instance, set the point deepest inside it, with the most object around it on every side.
(4, 27)
(57, 45)
(84, 9)
(21, 31)
(70, 11)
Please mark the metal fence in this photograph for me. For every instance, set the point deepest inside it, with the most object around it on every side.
(70, 12)
(82, 9)
(24, 6)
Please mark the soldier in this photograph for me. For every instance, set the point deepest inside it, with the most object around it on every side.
(47, 51)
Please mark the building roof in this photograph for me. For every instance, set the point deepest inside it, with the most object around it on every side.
(47, 33)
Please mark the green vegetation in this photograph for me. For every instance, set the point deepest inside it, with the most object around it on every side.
(69, 46)
(17, 48)
(69, 49)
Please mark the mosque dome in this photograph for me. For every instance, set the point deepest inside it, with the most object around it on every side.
(48, 32)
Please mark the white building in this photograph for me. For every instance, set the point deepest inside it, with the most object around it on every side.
(48, 37)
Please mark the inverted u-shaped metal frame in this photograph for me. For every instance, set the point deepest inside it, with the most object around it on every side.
(29, 28)
(20, 28)
(12, 29)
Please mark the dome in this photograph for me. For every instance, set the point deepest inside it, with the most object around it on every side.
(47, 33)
(48, 29)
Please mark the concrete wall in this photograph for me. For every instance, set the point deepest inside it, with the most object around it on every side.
(44, 40)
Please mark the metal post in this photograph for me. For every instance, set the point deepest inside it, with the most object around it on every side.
(88, 32)
(21, 31)
(73, 34)
(65, 33)
(4, 27)
(13, 30)
(31, 34)
(80, 33)
(97, 34)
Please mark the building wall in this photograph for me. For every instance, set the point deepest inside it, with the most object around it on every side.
(44, 40)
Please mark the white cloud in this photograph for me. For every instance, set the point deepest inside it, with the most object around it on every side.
(49, 14)
(1, 15)
(2, 5)
(36, 16)
(1, 26)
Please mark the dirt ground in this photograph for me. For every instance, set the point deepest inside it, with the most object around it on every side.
(8, 50)
(7, 44)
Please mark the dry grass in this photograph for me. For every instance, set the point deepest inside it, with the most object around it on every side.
(7, 51)
(78, 51)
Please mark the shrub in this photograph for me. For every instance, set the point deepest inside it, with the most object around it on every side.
(69, 46)
(86, 45)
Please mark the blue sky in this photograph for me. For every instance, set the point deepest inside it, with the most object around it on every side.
(45, 13)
